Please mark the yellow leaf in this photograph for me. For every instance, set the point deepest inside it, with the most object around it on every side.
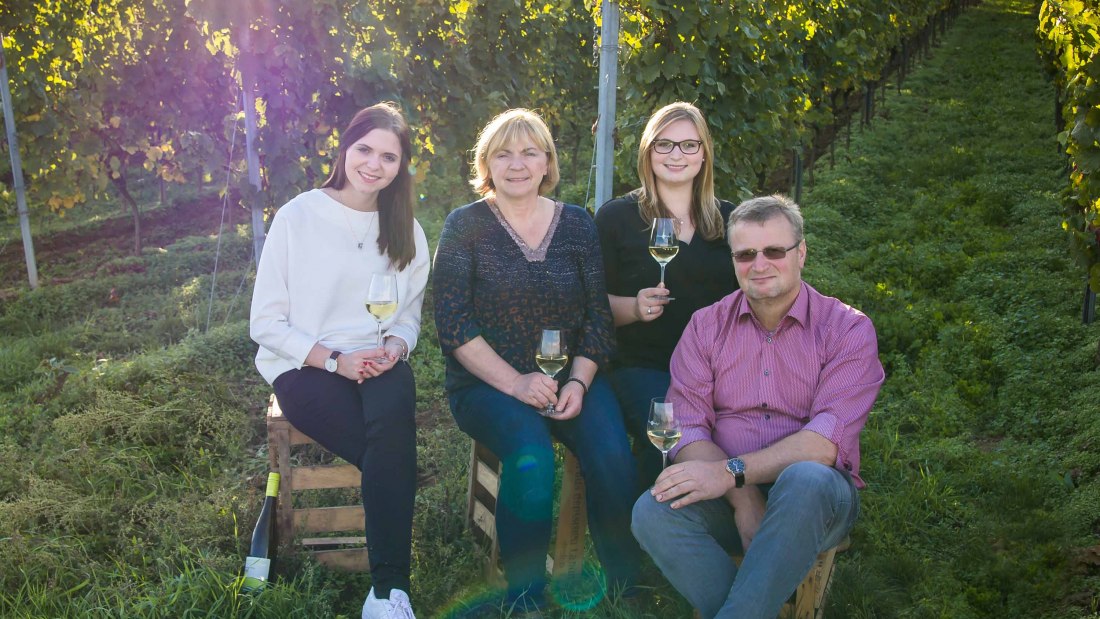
(116, 121)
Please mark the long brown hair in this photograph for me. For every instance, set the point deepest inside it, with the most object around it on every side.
(704, 206)
(395, 202)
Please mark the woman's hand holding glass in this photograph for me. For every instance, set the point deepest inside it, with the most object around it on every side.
(649, 304)
(535, 389)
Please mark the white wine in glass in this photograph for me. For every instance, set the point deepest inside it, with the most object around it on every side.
(551, 357)
(663, 428)
(382, 299)
(663, 245)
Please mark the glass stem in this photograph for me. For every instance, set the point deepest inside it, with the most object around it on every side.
(664, 460)
(662, 272)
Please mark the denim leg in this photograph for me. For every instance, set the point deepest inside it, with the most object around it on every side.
(634, 389)
(811, 507)
(598, 439)
(520, 437)
(691, 546)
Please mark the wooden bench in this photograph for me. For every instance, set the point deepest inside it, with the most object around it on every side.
(348, 552)
(567, 558)
(808, 601)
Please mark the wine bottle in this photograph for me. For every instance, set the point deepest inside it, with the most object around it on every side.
(257, 566)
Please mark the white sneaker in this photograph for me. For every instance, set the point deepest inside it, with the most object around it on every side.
(397, 607)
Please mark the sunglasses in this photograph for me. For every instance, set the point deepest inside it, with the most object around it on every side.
(771, 253)
(688, 147)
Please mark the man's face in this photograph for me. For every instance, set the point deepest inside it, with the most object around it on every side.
(764, 278)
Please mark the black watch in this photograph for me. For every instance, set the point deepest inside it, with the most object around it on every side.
(736, 467)
(330, 363)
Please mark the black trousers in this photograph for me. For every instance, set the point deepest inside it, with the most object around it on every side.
(373, 426)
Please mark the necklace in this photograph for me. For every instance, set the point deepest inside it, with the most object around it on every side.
(362, 239)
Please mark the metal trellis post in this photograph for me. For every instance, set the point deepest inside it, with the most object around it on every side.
(17, 172)
(605, 128)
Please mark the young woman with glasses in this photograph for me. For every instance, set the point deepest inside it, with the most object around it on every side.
(675, 167)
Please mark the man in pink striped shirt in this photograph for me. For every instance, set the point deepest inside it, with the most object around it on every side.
(772, 386)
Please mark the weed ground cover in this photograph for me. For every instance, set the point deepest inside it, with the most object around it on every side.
(131, 445)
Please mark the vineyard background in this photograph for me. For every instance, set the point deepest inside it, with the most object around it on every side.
(131, 442)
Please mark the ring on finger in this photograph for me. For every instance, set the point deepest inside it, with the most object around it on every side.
(649, 310)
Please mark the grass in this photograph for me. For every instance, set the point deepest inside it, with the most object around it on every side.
(132, 455)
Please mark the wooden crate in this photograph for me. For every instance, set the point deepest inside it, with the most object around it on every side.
(567, 558)
(349, 551)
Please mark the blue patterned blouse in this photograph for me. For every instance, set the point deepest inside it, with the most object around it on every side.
(488, 282)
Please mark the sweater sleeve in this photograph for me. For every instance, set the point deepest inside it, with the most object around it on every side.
(597, 342)
(452, 287)
(406, 324)
(269, 325)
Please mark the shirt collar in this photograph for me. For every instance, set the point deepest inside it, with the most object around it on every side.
(799, 312)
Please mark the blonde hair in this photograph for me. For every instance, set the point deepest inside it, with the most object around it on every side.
(507, 128)
(704, 206)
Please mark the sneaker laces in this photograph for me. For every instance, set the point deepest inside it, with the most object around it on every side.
(398, 605)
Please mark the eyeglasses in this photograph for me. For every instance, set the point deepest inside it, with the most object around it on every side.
(771, 253)
(688, 147)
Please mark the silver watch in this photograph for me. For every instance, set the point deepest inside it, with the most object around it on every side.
(330, 363)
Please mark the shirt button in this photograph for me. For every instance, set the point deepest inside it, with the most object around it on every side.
(767, 417)
(769, 340)
(763, 405)
(767, 373)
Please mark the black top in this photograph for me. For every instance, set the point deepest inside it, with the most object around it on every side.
(487, 282)
(699, 275)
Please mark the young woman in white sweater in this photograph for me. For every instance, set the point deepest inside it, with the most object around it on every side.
(319, 346)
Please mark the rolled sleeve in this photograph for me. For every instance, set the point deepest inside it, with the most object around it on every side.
(849, 384)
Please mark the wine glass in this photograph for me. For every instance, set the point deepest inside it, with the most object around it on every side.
(382, 299)
(663, 429)
(663, 245)
(551, 357)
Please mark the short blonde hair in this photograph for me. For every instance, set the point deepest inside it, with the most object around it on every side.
(762, 209)
(509, 127)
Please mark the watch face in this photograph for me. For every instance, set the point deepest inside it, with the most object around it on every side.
(330, 364)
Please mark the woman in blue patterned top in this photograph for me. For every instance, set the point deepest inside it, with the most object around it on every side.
(508, 266)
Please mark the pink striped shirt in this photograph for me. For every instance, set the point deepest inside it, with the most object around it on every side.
(744, 388)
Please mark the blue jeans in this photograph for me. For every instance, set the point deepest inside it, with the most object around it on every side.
(811, 507)
(635, 388)
(521, 438)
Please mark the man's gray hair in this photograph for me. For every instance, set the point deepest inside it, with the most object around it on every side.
(765, 208)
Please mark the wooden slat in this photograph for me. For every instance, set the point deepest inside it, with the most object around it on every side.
(350, 559)
(275, 415)
(333, 541)
(572, 522)
(326, 476)
(488, 478)
(485, 521)
(329, 519)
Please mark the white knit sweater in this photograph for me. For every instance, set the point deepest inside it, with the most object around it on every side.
(311, 285)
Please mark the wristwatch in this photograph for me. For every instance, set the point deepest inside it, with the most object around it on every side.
(736, 467)
(330, 363)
